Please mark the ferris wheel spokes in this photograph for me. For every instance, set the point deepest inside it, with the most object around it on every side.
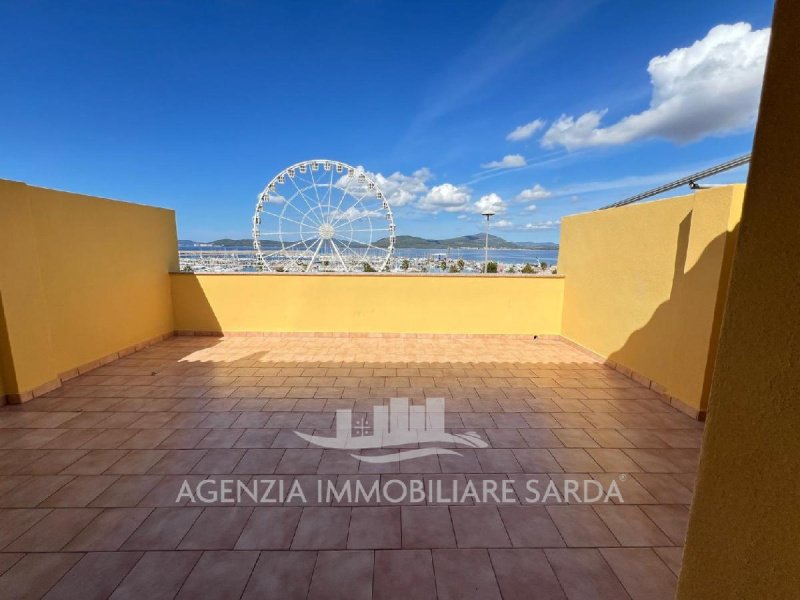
(318, 234)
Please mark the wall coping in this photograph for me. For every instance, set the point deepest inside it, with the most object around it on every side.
(333, 274)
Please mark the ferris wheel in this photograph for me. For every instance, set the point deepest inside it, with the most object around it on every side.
(323, 215)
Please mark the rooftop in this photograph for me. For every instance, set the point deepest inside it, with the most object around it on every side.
(91, 472)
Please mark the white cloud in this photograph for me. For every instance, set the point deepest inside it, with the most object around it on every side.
(490, 202)
(398, 189)
(531, 207)
(503, 224)
(353, 213)
(523, 132)
(446, 197)
(537, 192)
(543, 225)
(710, 87)
(402, 189)
(509, 161)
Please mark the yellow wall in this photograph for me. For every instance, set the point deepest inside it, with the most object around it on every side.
(644, 285)
(80, 278)
(368, 303)
(744, 527)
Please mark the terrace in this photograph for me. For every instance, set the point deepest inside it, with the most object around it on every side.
(92, 470)
(125, 379)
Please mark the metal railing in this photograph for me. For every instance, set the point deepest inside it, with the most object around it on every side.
(688, 180)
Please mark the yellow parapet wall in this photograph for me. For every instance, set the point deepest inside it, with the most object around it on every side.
(367, 303)
(81, 278)
(645, 287)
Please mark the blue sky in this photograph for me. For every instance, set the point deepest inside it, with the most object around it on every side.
(196, 105)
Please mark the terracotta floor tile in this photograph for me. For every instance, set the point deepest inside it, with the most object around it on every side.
(54, 531)
(163, 529)
(541, 421)
(575, 438)
(299, 461)
(146, 439)
(53, 462)
(630, 489)
(35, 490)
(498, 461)
(33, 575)
(631, 526)
(524, 574)
(427, 527)
(281, 576)
(220, 438)
(16, 521)
(664, 488)
(479, 527)
(220, 575)
(575, 460)
(259, 461)
(466, 461)
(613, 460)
(73, 439)
(505, 438)
(177, 462)
(509, 420)
(157, 576)
(541, 438)
(465, 575)
(136, 462)
(322, 528)
(530, 527)
(536, 460)
(643, 574)
(672, 519)
(109, 530)
(609, 438)
(342, 575)
(269, 528)
(217, 528)
(219, 461)
(585, 575)
(403, 574)
(581, 527)
(95, 576)
(337, 462)
(127, 490)
(183, 439)
(8, 560)
(109, 439)
(672, 557)
(374, 527)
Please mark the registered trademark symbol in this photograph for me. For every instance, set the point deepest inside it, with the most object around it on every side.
(623, 477)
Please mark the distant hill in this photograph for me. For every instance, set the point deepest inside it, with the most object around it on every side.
(476, 240)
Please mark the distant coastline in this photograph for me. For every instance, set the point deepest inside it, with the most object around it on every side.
(402, 242)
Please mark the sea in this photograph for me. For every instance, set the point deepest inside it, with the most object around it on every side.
(499, 255)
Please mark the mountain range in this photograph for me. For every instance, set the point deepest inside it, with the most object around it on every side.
(476, 240)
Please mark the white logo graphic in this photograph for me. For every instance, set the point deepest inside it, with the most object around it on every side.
(396, 425)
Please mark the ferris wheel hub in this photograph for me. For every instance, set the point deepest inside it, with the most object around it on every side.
(326, 231)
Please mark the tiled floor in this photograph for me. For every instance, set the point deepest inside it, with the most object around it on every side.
(90, 474)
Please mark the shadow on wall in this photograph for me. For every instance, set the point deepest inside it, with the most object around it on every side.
(6, 367)
(684, 330)
(199, 310)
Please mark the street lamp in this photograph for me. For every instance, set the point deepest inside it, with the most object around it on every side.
(488, 213)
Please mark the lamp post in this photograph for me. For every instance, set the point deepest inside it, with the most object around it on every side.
(488, 213)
